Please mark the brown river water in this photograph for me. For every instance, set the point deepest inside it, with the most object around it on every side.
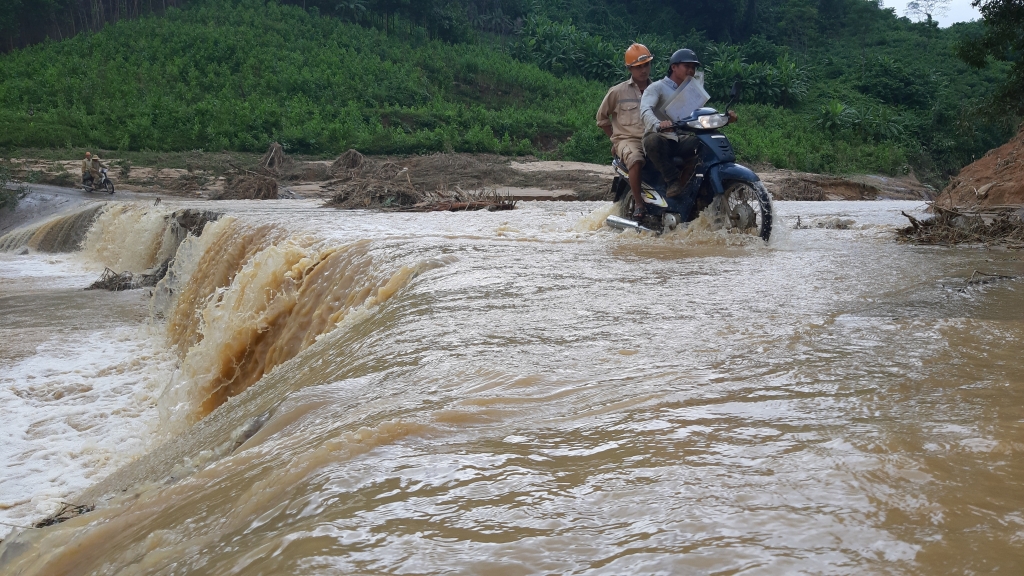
(320, 392)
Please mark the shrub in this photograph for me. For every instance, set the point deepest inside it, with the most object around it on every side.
(8, 196)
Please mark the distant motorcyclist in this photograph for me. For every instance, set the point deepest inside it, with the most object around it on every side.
(661, 144)
(619, 117)
(91, 168)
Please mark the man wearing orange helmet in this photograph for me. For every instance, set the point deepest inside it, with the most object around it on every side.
(619, 117)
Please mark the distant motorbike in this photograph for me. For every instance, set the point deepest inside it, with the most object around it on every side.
(739, 199)
(102, 184)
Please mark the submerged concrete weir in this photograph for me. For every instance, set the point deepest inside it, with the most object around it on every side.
(68, 232)
(238, 298)
(824, 403)
(60, 234)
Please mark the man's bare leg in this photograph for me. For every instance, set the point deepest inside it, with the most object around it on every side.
(634, 186)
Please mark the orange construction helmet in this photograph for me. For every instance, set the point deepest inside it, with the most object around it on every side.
(638, 54)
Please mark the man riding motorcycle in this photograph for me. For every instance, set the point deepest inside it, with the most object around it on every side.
(619, 117)
(661, 143)
(91, 168)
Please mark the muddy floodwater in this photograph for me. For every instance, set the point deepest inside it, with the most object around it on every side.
(312, 391)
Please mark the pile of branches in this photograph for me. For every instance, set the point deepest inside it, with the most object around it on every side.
(115, 282)
(248, 186)
(457, 200)
(999, 226)
(243, 184)
(65, 513)
(362, 182)
(350, 160)
(273, 160)
(381, 184)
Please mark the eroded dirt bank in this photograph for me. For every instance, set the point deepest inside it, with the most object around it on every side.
(995, 179)
(982, 205)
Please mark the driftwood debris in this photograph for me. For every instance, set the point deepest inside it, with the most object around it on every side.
(273, 161)
(65, 513)
(115, 282)
(458, 207)
(458, 200)
(362, 182)
(350, 160)
(978, 278)
(997, 225)
(249, 187)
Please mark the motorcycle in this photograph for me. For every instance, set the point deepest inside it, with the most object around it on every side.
(738, 198)
(103, 185)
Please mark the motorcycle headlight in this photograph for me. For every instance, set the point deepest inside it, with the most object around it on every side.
(709, 121)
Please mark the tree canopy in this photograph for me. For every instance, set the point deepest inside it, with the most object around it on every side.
(1000, 40)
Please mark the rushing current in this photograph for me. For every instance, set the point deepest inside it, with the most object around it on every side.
(311, 391)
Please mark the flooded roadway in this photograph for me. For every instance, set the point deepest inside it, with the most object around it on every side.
(518, 392)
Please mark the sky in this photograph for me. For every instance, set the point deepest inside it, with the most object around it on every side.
(959, 11)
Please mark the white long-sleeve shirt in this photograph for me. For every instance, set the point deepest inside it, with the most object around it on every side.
(655, 96)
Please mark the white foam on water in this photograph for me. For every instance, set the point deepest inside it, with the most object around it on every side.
(21, 272)
(74, 412)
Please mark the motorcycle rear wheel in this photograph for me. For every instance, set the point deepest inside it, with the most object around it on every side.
(749, 208)
(108, 186)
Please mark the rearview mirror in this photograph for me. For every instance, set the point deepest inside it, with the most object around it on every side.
(734, 94)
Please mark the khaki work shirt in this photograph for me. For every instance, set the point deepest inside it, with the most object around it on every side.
(620, 109)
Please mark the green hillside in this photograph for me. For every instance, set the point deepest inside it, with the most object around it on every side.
(225, 75)
(868, 92)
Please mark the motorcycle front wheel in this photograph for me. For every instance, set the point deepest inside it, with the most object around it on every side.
(108, 186)
(748, 206)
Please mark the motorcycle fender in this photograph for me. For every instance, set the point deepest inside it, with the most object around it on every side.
(620, 187)
(720, 173)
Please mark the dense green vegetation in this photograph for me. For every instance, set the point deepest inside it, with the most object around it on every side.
(1001, 40)
(7, 197)
(829, 85)
(843, 85)
(225, 75)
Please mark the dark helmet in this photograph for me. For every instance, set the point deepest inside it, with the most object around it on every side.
(683, 56)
